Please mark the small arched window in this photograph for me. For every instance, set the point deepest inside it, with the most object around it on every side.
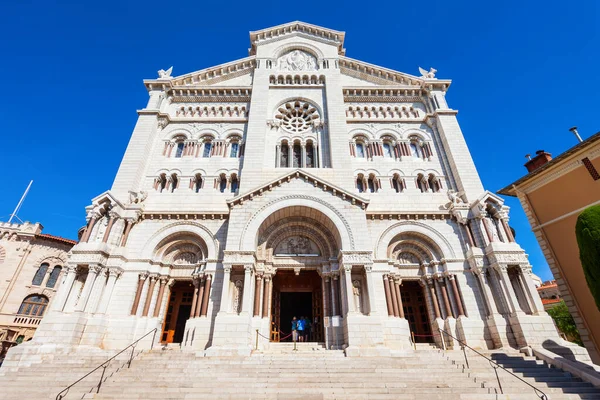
(161, 183)
(310, 155)
(372, 184)
(39, 275)
(284, 155)
(414, 150)
(359, 185)
(433, 183)
(179, 151)
(198, 183)
(297, 149)
(174, 182)
(397, 183)
(360, 150)
(207, 149)
(421, 185)
(235, 183)
(387, 150)
(222, 183)
(235, 147)
(34, 305)
(53, 277)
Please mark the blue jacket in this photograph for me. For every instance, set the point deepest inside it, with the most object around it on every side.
(294, 325)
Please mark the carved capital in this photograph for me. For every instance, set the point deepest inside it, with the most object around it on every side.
(116, 272)
(142, 276)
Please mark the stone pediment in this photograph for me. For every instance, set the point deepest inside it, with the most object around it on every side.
(307, 177)
(297, 28)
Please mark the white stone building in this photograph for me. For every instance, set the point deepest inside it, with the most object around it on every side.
(296, 181)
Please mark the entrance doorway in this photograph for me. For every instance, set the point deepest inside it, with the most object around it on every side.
(297, 296)
(415, 311)
(179, 310)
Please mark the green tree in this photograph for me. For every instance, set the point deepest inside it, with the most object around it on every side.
(565, 322)
(587, 231)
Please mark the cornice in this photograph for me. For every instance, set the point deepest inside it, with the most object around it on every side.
(206, 76)
(203, 94)
(177, 216)
(314, 32)
(407, 216)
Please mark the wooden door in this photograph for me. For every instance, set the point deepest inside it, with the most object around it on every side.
(415, 311)
(178, 312)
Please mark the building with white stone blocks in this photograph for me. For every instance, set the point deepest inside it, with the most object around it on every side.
(296, 182)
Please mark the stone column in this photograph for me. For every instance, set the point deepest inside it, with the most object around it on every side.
(111, 222)
(290, 156)
(334, 295)
(161, 292)
(436, 307)
(397, 284)
(247, 291)
(388, 296)
(153, 279)
(257, 287)
(535, 300)
(326, 295)
(278, 155)
(511, 296)
(487, 292)
(457, 299)
(370, 289)
(507, 230)
(128, 226)
(94, 298)
(58, 303)
(348, 285)
(138, 293)
(469, 236)
(206, 295)
(198, 308)
(87, 287)
(266, 295)
(113, 275)
(88, 230)
(225, 292)
(447, 307)
(196, 284)
(303, 156)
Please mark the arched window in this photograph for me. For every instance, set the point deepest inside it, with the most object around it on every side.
(40, 274)
(174, 182)
(161, 183)
(198, 183)
(433, 183)
(207, 148)
(179, 151)
(33, 305)
(235, 146)
(234, 183)
(297, 149)
(387, 150)
(53, 277)
(397, 183)
(359, 184)
(414, 150)
(421, 183)
(223, 183)
(360, 150)
(284, 155)
(310, 155)
(372, 183)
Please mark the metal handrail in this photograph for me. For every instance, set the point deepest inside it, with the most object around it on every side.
(105, 364)
(537, 391)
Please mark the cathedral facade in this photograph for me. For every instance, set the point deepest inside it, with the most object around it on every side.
(296, 182)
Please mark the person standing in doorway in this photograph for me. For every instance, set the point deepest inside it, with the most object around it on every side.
(307, 329)
(301, 325)
(294, 329)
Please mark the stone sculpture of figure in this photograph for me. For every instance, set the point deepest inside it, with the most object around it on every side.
(297, 60)
(237, 296)
(162, 74)
(492, 228)
(453, 197)
(427, 74)
(356, 295)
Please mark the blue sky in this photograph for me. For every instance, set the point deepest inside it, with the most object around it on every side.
(523, 73)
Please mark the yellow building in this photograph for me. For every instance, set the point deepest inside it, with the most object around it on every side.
(553, 194)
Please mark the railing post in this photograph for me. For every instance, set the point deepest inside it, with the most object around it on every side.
(464, 349)
(153, 338)
(256, 339)
(443, 340)
(412, 334)
(102, 377)
(131, 356)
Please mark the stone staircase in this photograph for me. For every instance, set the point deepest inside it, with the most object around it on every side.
(311, 372)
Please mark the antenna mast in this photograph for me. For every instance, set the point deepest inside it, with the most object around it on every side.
(14, 214)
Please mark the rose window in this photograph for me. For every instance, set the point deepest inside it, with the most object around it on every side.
(297, 116)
